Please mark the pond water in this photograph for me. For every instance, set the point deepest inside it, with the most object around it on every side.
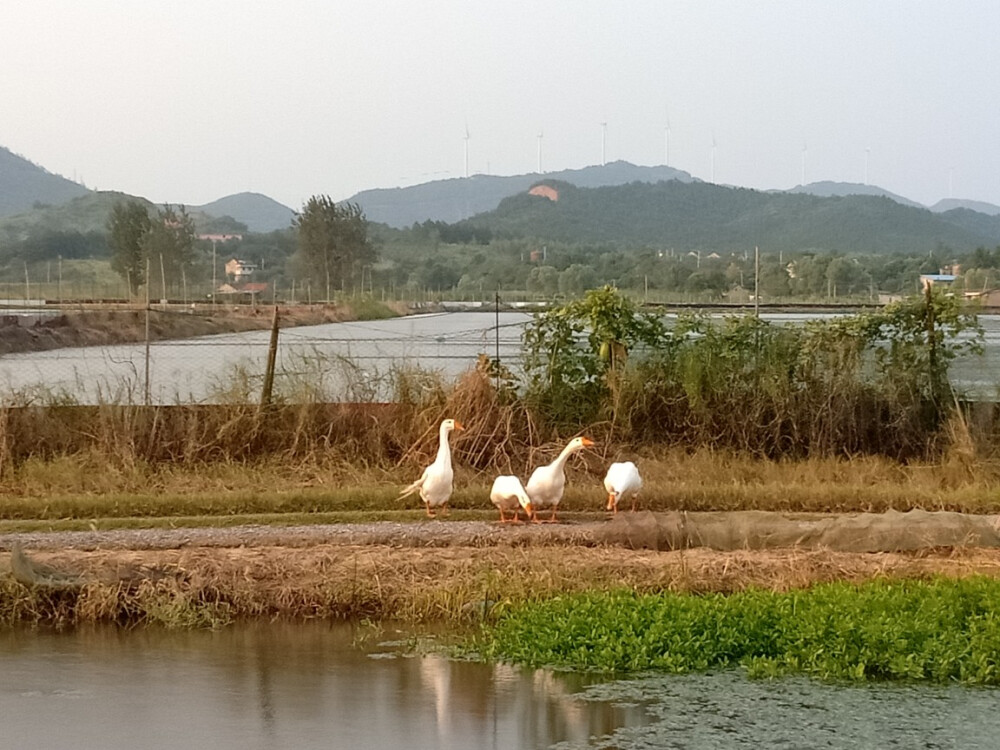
(346, 361)
(279, 686)
(350, 361)
(328, 685)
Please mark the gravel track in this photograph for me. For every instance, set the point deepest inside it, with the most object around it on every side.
(395, 534)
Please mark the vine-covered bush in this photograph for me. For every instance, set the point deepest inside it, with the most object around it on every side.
(873, 382)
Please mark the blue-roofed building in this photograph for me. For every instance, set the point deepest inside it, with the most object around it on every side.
(928, 279)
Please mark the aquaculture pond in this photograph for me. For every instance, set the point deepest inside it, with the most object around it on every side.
(356, 354)
(322, 685)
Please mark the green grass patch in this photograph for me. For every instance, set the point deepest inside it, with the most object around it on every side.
(218, 503)
(939, 631)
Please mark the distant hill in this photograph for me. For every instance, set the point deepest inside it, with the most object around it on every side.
(24, 184)
(456, 199)
(828, 189)
(976, 222)
(87, 213)
(698, 215)
(258, 212)
(982, 207)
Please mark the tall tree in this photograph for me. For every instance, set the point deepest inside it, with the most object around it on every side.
(333, 240)
(128, 227)
(170, 245)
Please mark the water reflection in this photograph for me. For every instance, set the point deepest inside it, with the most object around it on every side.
(312, 685)
(279, 686)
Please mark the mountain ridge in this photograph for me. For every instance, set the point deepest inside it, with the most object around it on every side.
(26, 188)
(259, 212)
(459, 198)
(24, 184)
(702, 215)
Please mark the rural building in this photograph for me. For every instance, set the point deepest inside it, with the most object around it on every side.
(929, 279)
(986, 298)
(238, 270)
(243, 293)
(219, 237)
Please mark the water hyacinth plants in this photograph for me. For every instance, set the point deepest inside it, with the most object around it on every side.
(938, 630)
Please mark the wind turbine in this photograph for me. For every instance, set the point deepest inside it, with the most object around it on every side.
(540, 136)
(604, 143)
(466, 149)
(713, 159)
(666, 144)
(868, 153)
(805, 150)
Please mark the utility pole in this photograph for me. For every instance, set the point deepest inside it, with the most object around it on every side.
(214, 286)
(497, 336)
(146, 394)
(756, 281)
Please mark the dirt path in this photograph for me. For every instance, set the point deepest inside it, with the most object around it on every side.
(913, 532)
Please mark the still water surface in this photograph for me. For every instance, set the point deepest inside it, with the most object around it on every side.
(314, 685)
(347, 361)
(350, 361)
(278, 686)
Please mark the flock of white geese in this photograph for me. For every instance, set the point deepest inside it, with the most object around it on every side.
(541, 494)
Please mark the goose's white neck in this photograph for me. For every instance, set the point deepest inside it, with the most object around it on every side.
(563, 457)
(444, 451)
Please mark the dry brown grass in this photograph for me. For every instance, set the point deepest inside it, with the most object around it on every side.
(86, 484)
(115, 455)
(212, 586)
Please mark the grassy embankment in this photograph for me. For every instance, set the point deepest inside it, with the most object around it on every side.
(109, 324)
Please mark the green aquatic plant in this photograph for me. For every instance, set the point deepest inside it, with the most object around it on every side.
(939, 631)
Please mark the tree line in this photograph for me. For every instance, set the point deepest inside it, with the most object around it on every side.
(332, 249)
(161, 251)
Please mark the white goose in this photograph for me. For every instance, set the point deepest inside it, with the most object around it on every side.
(508, 494)
(434, 484)
(622, 482)
(546, 483)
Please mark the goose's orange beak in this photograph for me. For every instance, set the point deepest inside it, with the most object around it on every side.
(587, 441)
(612, 504)
(458, 425)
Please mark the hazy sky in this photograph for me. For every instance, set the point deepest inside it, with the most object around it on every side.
(188, 101)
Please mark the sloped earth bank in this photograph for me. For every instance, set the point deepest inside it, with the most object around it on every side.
(104, 327)
(441, 568)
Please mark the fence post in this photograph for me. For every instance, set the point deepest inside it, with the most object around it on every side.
(146, 387)
(272, 356)
(932, 350)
